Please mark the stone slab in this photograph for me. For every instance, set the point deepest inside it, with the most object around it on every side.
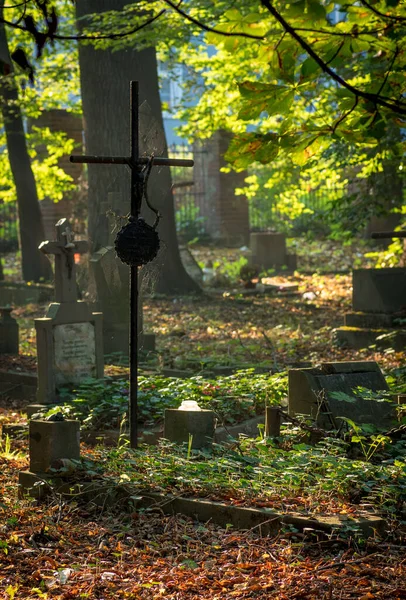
(362, 337)
(308, 387)
(52, 440)
(75, 353)
(369, 320)
(379, 290)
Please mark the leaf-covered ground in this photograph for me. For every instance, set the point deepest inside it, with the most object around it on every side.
(72, 550)
(54, 550)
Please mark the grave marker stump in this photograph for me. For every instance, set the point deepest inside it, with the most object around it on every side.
(9, 339)
(268, 251)
(52, 445)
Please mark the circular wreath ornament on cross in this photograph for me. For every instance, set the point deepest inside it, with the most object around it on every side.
(137, 243)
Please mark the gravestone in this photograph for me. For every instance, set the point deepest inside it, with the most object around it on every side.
(8, 332)
(69, 338)
(189, 425)
(111, 283)
(379, 310)
(311, 393)
(268, 251)
(53, 444)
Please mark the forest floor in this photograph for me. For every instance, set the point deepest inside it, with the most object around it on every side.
(66, 550)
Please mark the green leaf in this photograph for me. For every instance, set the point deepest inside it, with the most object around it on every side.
(309, 67)
(315, 10)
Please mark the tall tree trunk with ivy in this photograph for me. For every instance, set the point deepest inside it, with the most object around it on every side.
(105, 84)
(35, 266)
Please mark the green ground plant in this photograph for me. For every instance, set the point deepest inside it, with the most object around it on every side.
(104, 404)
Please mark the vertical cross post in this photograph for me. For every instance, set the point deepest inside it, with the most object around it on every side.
(136, 199)
(135, 163)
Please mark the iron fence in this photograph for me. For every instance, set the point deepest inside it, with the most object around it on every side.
(189, 192)
(8, 227)
(268, 213)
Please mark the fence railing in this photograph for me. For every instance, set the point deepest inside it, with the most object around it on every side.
(267, 213)
(8, 227)
(189, 192)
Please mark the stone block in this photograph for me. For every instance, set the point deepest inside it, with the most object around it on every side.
(9, 339)
(268, 249)
(179, 424)
(291, 262)
(362, 337)
(147, 342)
(379, 290)
(52, 440)
(310, 393)
(368, 320)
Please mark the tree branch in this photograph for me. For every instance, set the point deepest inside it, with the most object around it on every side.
(110, 36)
(345, 115)
(394, 106)
(388, 71)
(382, 15)
(212, 29)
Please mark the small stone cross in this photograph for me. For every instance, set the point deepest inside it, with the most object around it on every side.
(64, 249)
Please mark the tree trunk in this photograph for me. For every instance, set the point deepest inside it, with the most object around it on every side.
(105, 84)
(35, 266)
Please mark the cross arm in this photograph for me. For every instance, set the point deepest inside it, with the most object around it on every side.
(383, 235)
(127, 160)
(50, 247)
(80, 247)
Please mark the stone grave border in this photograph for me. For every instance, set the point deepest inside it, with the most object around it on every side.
(266, 521)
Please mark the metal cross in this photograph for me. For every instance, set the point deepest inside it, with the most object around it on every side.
(135, 162)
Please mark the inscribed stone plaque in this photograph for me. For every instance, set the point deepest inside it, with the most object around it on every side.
(75, 353)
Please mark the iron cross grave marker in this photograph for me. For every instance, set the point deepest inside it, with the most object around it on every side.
(140, 167)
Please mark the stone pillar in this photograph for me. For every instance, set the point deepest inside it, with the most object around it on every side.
(227, 217)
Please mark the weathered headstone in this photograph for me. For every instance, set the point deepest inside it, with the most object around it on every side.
(53, 443)
(8, 332)
(379, 310)
(311, 392)
(268, 251)
(69, 338)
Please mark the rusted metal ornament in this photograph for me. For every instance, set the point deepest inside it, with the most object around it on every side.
(137, 243)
